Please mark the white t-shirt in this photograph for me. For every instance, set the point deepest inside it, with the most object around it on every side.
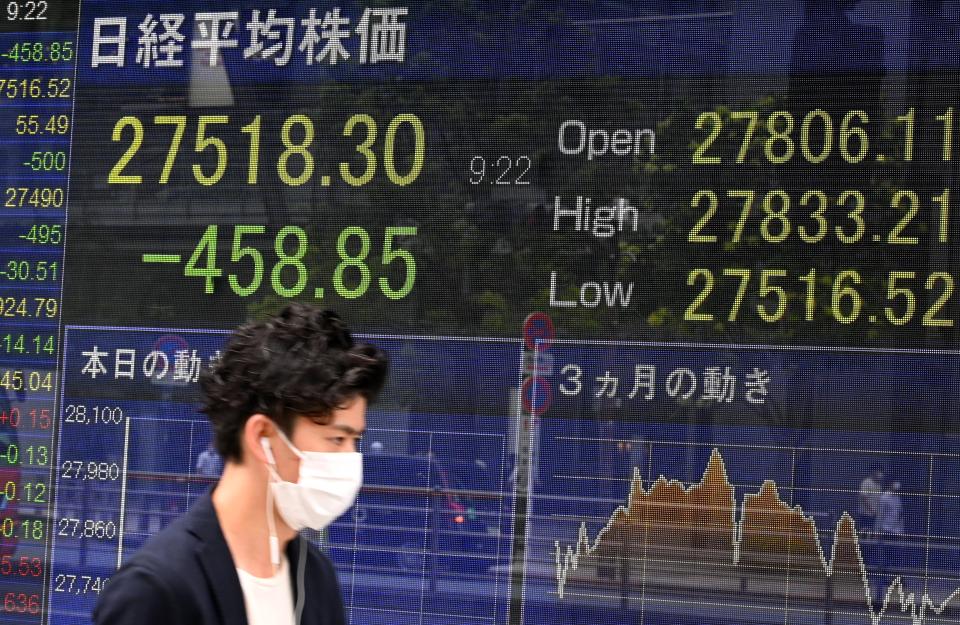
(890, 514)
(870, 492)
(268, 600)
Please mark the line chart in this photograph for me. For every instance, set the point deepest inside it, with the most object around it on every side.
(668, 529)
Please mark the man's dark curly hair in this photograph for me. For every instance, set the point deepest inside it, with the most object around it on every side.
(302, 362)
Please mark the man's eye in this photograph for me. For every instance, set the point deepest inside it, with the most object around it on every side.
(338, 440)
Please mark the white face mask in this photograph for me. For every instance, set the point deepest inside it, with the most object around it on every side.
(326, 487)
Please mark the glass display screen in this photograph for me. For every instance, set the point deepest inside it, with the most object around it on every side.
(668, 288)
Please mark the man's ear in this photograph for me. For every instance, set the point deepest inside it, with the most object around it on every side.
(256, 428)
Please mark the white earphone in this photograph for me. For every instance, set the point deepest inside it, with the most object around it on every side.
(265, 444)
(274, 541)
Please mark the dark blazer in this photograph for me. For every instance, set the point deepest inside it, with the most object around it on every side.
(186, 575)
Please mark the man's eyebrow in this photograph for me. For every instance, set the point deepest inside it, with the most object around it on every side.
(348, 429)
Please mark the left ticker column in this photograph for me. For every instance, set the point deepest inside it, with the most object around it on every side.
(38, 56)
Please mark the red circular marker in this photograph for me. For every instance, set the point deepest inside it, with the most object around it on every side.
(538, 331)
(170, 344)
(536, 395)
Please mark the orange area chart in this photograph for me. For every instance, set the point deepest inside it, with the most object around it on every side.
(672, 540)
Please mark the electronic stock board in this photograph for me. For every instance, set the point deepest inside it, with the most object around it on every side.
(668, 287)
